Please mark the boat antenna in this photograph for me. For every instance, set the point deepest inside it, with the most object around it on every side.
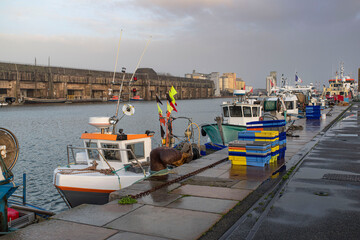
(117, 57)
(113, 81)
(137, 66)
(115, 119)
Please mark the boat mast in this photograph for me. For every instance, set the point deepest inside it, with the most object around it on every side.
(137, 66)
(115, 118)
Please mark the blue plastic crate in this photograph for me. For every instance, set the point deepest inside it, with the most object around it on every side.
(313, 117)
(275, 123)
(214, 146)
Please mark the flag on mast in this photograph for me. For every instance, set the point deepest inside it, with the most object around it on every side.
(297, 79)
(172, 93)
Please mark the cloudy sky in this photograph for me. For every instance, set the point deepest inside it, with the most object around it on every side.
(248, 37)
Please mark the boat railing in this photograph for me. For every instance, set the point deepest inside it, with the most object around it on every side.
(71, 149)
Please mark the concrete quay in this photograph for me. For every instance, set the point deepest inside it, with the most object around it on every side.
(321, 199)
(203, 206)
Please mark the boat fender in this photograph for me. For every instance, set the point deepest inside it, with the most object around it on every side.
(162, 156)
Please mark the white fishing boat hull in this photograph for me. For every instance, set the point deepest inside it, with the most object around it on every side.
(91, 187)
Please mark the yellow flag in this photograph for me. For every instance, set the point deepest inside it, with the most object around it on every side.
(159, 109)
(169, 108)
(172, 91)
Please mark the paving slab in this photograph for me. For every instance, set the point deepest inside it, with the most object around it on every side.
(60, 230)
(202, 204)
(247, 184)
(210, 181)
(104, 213)
(123, 193)
(225, 165)
(251, 172)
(158, 198)
(134, 236)
(212, 172)
(184, 169)
(213, 192)
(166, 222)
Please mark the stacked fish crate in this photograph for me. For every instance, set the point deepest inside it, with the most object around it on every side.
(251, 153)
(271, 125)
(254, 148)
(313, 112)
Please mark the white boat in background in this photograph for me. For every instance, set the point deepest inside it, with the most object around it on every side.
(283, 102)
(234, 117)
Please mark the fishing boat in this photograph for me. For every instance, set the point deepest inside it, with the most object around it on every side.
(341, 88)
(136, 98)
(114, 99)
(281, 106)
(235, 115)
(107, 162)
(110, 160)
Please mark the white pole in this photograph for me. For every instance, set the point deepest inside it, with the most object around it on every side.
(117, 56)
(132, 77)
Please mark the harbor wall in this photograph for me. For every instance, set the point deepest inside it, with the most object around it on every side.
(22, 80)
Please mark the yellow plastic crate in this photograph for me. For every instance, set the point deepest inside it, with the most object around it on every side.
(271, 134)
(273, 159)
(274, 149)
(239, 162)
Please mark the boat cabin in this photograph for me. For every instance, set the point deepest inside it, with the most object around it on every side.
(291, 104)
(241, 113)
(116, 150)
(274, 106)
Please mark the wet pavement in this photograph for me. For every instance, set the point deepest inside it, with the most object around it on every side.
(321, 200)
(197, 207)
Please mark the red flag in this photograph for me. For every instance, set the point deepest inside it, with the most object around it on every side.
(172, 105)
(161, 119)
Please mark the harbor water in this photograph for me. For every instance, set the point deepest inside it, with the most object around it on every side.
(44, 131)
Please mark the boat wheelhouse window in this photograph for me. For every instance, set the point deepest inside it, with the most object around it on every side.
(247, 111)
(327, 93)
(92, 153)
(341, 93)
(255, 111)
(137, 149)
(111, 154)
(235, 111)
(289, 105)
(226, 111)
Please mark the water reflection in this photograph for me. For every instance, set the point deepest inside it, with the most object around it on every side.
(252, 173)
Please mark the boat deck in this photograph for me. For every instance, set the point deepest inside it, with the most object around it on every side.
(204, 203)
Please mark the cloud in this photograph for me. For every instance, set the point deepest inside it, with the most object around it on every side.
(250, 38)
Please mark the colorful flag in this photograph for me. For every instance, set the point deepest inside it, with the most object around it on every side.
(297, 79)
(170, 102)
(159, 109)
(158, 100)
(172, 105)
(172, 93)
(162, 119)
(169, 108)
